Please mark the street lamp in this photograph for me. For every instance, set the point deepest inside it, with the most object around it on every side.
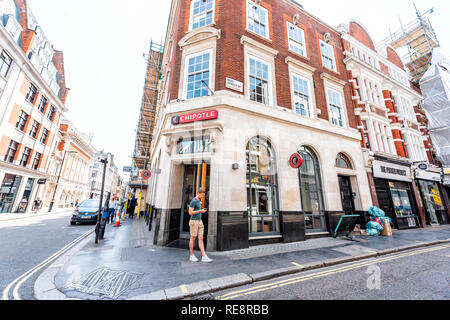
(100, 209)
(57, 181)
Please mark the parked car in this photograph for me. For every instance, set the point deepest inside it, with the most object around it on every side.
(87, 211)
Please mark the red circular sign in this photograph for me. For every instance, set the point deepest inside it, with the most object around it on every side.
(296, 161)
(146, 175)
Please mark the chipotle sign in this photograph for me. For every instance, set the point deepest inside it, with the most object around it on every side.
(194, 117)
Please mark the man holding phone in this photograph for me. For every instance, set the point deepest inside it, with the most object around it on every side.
(196, 227)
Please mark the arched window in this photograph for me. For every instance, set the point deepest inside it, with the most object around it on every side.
(311, 191)
(342, 161)
(262, 188)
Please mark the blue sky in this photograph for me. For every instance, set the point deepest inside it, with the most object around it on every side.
(104, 41)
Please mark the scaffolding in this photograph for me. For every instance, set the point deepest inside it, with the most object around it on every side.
(417, 40)
(147, 116)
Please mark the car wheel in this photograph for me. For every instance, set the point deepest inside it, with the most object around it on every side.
(72, 223)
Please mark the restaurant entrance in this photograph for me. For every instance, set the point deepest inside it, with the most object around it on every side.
(195, 177)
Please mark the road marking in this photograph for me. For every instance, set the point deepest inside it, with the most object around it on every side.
(184, 289)
(298, 265)
(20, 280)
(286, 282)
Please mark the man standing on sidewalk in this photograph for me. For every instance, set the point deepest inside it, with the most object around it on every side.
(196, 227)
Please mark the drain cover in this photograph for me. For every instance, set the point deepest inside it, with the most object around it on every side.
(106, 282)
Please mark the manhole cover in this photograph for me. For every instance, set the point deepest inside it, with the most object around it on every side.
(106, 282)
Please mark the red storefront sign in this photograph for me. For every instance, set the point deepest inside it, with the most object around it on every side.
(193, 117)
(296, 161)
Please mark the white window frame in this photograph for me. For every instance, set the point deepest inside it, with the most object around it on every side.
(266, 12)
(321, 55)
(191, 15)
(186, 72)
(342, 107)
(269, 98)
(310, 95)
(294, 43)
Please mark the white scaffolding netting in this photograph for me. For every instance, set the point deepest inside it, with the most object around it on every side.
(435, 86)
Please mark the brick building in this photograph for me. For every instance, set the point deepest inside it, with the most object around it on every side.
(32, 98)
(245, 85)
(405, 182)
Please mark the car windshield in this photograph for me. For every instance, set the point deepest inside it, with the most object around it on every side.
(90, 204)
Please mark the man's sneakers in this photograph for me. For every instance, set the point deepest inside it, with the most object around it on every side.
(205, 259)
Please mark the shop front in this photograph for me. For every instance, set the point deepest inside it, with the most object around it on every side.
(431, 193)
(395, 193)
(8, 192)
(253, 194)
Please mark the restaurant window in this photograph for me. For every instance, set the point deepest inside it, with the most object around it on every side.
(259, 81)
(257, 19)
(301, 96)
(202, 13)
(328, 60)
(262, 188)
(194, 145)
(32, 92)
(25, 156)
(296, 39)
(311, 191)
(198, 75)
(22, 121)
(11, 152)
(8, 192)
(5, 63)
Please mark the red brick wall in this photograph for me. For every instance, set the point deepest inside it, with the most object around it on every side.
(231, 20)
(359, 33)
(393, 57)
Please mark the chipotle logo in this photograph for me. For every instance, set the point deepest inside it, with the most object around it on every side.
(194, 117)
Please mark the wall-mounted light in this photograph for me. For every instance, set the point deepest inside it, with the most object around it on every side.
(235, 166)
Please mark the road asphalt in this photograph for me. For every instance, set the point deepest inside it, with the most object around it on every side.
(126, 264)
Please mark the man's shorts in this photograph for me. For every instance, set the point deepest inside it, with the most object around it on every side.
(197, 228)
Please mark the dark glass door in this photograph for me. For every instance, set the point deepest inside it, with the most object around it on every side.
(8, 192)
(384, 199)
(345, 186)
(195, 177)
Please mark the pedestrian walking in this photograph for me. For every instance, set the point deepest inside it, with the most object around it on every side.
(111, 206)
(37, 205)
(132, 207)
(196, 227)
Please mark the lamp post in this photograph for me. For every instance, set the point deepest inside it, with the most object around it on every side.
(100, 209)
(57, 181)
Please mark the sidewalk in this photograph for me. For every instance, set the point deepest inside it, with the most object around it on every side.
(126, 265)
(17, 216)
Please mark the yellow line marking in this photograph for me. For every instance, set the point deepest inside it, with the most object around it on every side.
(282, 283)
(183, 288)
(298, 265)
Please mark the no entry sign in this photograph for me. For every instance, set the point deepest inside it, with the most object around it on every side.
(146, 175)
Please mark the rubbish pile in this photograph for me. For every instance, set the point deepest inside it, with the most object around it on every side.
(379, 223)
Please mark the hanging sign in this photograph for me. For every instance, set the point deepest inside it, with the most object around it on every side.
(296, 161)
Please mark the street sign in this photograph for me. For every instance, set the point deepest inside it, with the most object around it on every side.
(41, 181)
(146, 175)
(127, 169)
(423, 166)
(234, 85)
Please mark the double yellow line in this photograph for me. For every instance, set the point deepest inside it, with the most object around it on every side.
(270, 286)
(20, 280)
